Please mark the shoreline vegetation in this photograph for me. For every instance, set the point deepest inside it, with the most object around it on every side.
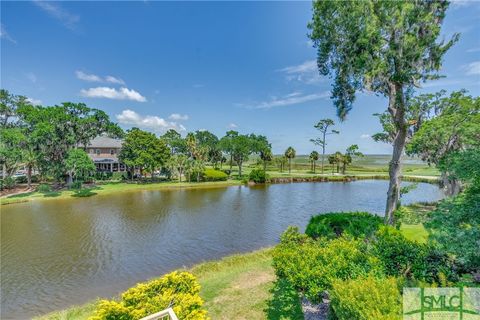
(110, 187)
(242, 286)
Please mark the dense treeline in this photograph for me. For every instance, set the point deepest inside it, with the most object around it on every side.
(51, 140)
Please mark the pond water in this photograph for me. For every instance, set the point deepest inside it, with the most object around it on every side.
(62, 252)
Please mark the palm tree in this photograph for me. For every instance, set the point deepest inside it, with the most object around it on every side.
(290, 154)
(266, 156)
(314, 157)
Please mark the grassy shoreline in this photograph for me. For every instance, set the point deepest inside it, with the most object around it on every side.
(115, 187)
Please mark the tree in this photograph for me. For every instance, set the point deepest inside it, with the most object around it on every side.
(323, 126)
(455, 127)
(263, 148)
(179, 162)
(52, 131)
(143, 150)
(386, 47)
(352, 151)
(11, 152)
(242, 148)
(266, 157)
(9, 104)
(290, 154)
(174, 141)
(281, 161)
(314, 158)
(226, 145)
(78, 164)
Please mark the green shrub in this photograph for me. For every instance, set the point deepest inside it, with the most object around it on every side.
(7, 183)
(214, 175)
(335, 224)
(311, 265)
(44, 188)
(409, 259)
(369, 298)
(454, 226)
(119, 175)
(179, 288)
(76, 185)
(258, 176)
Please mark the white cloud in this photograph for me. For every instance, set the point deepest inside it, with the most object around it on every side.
(34, 102)
(473, 68)
(88, 77)
(306, 72)
(32, 77)
(473, 50)
(232, 126)
(365, 136)
(4, 34)
(69, 20)
(461, 3)
(177, 116)
(112, 79)
(289, 99)
(112, 93)
(153, 123)
(94, 78)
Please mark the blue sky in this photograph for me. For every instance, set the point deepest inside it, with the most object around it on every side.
(246, 66)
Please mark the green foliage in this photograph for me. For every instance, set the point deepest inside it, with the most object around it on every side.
(454, 226)
(335, 224)
(44, 188)
(178, 288)
(79, 164)
(53, 131)
(409, 259)
(258, 176)
(312, 265)
(7, 183)
(77, 185)
(214, 175)
(367, 298)
(143, 150)
(455, 127)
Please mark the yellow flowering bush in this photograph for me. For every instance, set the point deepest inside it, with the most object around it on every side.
(177, 289)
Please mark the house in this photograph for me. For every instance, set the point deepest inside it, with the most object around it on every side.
(104, 153)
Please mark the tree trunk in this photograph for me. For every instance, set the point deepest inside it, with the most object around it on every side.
(451, 185)
(240, 168)
(397, 111)
(264, 165)
(29, 176)
(231, 163)
(289, 165)
(314, 167)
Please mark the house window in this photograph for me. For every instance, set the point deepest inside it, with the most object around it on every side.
(98, 151)
(112, 152)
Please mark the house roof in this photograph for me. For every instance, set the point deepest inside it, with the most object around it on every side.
(105, 142)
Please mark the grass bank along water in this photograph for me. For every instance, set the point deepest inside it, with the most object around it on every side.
(116, 187)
